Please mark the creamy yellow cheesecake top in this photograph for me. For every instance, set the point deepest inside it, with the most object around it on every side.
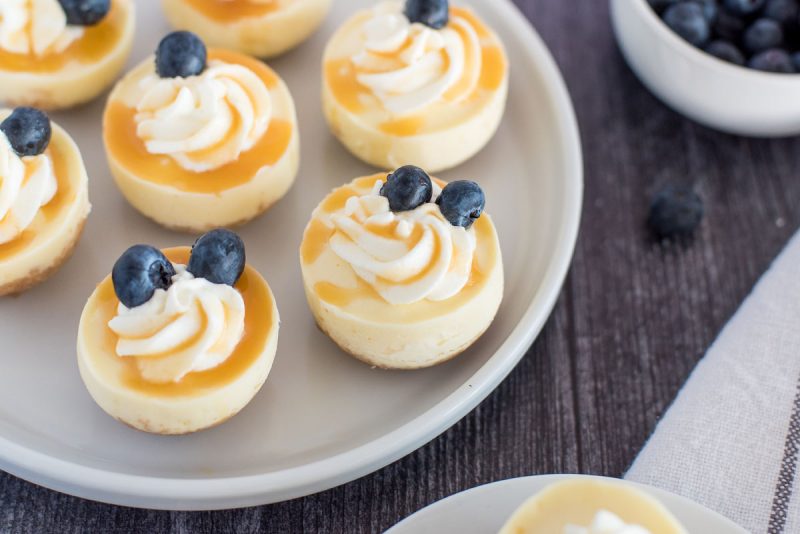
(35, 36)
(408, 78)
(235, 10)
(205, 133)
(397, 266)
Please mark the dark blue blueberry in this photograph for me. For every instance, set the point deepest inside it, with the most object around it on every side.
(675, 212)
(85, 12)
(710, 9)
(218, 256)
(28, 131)
(743, 7)
(139, 272)
(782, 11)
(407, 188)
(761, 35)
(660, 5)
(726, 51)
(728, 26)
(773, 60)
(433, 13)
(180, 55)
(687, 20)
(462, 203)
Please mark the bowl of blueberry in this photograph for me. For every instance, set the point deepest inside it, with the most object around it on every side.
(733, 65)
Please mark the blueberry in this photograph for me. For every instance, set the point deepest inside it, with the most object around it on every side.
(462, 203)
(433, 13)
(726, 51)
(796, 61)
(782, 11)
(687, 20)
(710, 9)
(773, 60)
(407, 188)
(218, 256)
(28, 131)
(660, 5)
(728, 26)
(762, 35)
(85, 12)
(676, 211)
(139, 272)
(743, 7)
(180, 55)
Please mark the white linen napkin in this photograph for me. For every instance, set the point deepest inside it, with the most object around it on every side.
(730, 441)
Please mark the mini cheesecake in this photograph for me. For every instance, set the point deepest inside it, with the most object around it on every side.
(44, 198)
(52, 57)
(414, 82)
(591, 506)
(189, 355)
(216, 145)
(401, 282)
(260, 28)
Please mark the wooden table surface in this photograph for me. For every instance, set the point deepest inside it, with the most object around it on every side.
(633, 319)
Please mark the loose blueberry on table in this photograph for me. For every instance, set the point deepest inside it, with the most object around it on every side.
(217, 256)
(28, 131)
(760, 34)
(181, 55)
(675, 212)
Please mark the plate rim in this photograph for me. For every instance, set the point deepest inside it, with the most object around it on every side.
(660, 493)
(265, 488)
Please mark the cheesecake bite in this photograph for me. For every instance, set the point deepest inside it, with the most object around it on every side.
(179, 340)
(591, 506)
(414, 82)
(57, 54)
(198, 139)
(402, 271)
(44, 198)
(260, 28)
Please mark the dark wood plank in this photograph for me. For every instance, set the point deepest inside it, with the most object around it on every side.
(634, 317)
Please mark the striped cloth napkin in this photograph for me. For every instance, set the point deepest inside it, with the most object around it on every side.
(731, 439)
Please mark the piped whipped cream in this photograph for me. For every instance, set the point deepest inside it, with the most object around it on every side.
(405, 256)
(409, 66)
(26, 184)
(606, 522)
(36, 27)
(195, 325)
(204, 122)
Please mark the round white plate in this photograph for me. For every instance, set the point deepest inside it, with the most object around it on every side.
(323, 418)
(485, 509)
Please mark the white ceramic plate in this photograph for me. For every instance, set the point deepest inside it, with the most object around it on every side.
(483, 510)
(323, 418)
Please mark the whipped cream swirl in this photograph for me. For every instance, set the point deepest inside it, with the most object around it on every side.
(406, 256)
(26, 184)
(195, 325)
(410, 66)
(204, 122)
(606, 522)
(36, 27)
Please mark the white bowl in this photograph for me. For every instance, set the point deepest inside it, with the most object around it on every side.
(708, 90)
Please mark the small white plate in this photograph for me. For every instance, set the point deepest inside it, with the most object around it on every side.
(485, 509)
(323, 418)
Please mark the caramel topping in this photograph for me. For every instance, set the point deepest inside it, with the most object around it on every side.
(233, 10)
(259, 322)
(48, 213)
(362, 298)
(341, 78)
(119, 132)
(95, 44)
